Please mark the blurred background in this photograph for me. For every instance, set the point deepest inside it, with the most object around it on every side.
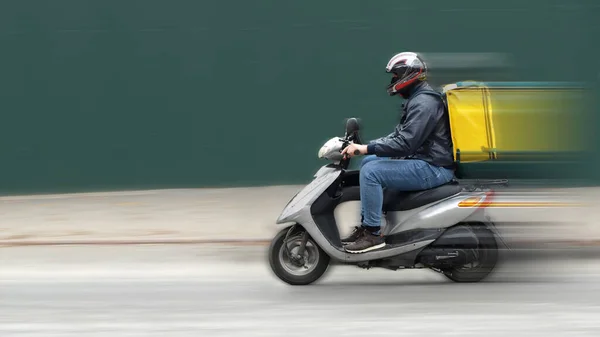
(122, 95)
(186, 125)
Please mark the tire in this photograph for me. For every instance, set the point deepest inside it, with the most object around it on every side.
(488, 253)
(318, 260)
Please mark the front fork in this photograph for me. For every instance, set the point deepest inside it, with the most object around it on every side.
(298, 257)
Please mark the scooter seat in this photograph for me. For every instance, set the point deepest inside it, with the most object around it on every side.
(404, 201)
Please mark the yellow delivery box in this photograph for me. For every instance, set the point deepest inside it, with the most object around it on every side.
(471, 121)
(492, 121)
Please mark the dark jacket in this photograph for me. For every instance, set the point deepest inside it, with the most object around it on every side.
(423, 132)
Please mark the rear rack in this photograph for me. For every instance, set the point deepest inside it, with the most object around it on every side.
(483, 184)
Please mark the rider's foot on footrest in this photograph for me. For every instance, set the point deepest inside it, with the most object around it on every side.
(365, 243)
(357, 233)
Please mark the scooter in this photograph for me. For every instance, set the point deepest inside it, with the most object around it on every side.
(444, 229)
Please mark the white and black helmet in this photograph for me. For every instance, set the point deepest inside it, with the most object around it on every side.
(406, 68)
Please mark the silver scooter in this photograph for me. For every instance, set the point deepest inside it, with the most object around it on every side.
(444, 229)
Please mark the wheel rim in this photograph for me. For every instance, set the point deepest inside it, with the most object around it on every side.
(475, 264)
(311, 256)
(482, 260)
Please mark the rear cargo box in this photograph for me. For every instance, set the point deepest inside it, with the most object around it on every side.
(471, 121)
(513, 125)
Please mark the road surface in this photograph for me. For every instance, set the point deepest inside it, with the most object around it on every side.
(189, 290)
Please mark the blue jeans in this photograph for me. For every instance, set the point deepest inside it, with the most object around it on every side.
(377, 173)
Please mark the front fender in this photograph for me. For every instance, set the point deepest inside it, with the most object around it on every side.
(284, 225)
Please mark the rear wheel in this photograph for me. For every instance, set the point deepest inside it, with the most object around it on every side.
(487, 257)
(302, 270)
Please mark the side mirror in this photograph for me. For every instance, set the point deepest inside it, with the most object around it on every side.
(352, 126)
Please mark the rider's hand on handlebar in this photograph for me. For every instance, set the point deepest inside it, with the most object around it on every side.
(353, 150)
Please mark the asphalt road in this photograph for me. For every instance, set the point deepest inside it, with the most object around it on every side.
(176, 291)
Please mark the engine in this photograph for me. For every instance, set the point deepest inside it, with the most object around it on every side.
(456, 247)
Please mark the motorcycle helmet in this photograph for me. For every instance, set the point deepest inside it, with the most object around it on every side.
(406, 68)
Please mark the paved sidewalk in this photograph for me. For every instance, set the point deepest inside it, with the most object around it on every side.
(235, 215)
(199, 214)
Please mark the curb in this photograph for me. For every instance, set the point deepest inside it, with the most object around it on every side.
(515, 245)
(255, 249)
(231, 242)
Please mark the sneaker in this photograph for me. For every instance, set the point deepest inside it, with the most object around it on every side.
(365, 243)
(356, 233)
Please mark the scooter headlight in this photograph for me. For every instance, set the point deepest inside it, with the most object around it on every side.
(331, 149)
(323, 151)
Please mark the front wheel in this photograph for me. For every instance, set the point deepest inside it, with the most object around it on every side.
(487, 257)
(303, 270)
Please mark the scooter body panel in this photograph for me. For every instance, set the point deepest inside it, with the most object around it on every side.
(440, 214)
(296, 208)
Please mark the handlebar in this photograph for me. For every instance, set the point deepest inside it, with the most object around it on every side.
(356, 139)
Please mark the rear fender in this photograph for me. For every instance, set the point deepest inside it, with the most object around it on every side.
(492, 227)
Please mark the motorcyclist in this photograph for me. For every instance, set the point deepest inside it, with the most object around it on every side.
(418, 155)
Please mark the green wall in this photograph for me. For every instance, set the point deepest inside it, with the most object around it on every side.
(123, 94)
